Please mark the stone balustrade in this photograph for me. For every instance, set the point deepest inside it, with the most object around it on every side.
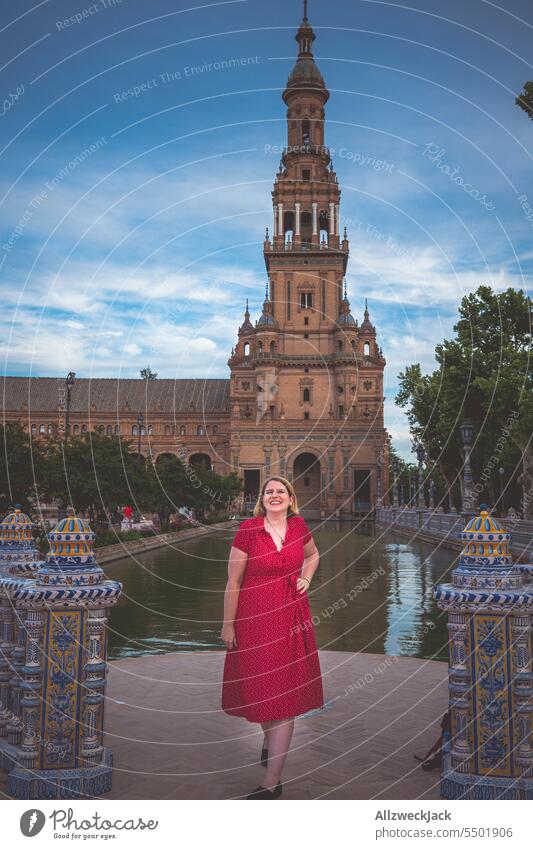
(53, 618)
(434, 526)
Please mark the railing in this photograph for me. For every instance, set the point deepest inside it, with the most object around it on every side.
(298, 149)
(448, 526)
(271, 356)
(294, 247)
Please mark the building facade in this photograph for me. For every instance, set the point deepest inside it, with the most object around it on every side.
(305, 393)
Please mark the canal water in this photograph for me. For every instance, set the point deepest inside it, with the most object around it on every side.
(371, 593)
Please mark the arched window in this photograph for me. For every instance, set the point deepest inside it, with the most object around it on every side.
(33, 430)
(246, 349)
(200, 430)
(340, 346)
(50, 429)
(183, 430)
(215, 430)
(42, 429)
(353, 344)
(306, 132)
(109, 430)
(306, 300)
(150, 430)
(167, 430)
(84, 428)
(260, 347)
(307, 395)
(76, 428)
(134, 430)
(366, 349)
(272, 347)
(117, 429)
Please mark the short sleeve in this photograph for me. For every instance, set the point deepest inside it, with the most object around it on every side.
(306, 533)
(243, 538)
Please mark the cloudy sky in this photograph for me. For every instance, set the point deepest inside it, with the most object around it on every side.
(137, 166)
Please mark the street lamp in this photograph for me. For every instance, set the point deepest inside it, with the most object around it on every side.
(431, 494)
(395, 501)
(501, 472)
(379, 471)
(467, 436)
(70, 380)
(421, 456)
(140, 421)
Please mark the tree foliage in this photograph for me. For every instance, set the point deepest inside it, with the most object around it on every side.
(21, 467)
(525, 100)
(98, 474)
(484, 374)
(148, 374)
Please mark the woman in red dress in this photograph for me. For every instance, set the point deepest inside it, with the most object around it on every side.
(272, 671)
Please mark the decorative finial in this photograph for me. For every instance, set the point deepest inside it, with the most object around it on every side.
(345, 234)
(266, 291)
(70, 511)
(266, 234)
(366, 304)
(305, 11)
(345, 290)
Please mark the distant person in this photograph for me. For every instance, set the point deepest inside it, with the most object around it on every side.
(127, 518)
(272, 670)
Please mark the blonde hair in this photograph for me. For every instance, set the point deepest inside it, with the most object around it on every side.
(259, 509)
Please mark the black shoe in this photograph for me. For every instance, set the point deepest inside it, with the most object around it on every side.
(264, 793)
(264, 756)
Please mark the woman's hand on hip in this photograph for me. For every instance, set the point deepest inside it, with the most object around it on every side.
(228, 637)
(302, 585)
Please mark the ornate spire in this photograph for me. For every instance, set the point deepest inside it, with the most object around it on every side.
(345, 316)
(305, 74)
(367, 326)
(246, 327)
(267, 316)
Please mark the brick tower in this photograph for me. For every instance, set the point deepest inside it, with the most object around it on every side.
(306, 380)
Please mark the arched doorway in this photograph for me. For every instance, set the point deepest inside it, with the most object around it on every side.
(306, 482)
(165, 455)
(200, 460)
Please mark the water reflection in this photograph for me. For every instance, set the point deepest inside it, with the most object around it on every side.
(372, 593)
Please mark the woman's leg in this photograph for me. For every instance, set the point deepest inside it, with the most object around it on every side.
(266, 728)
(279, 740)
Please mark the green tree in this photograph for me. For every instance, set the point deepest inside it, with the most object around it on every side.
(174, 484)
(525, 100)
(484, 374)
(148, 374)
(97, 474)
(21, 468)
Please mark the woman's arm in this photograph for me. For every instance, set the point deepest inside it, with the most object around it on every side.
(236, 567)
(310, 565)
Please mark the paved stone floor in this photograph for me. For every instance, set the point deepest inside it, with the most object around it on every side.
(171, 740)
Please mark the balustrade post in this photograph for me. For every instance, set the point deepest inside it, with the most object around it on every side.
(490, 611)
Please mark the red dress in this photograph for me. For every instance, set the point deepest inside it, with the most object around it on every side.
(274, 673)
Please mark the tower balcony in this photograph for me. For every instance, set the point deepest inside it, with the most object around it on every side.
(298, 246)
(295, 150)
(339, 357)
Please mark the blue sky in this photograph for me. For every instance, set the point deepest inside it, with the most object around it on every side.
(136, 179)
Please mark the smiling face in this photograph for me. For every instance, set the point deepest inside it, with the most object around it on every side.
(276, 498)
